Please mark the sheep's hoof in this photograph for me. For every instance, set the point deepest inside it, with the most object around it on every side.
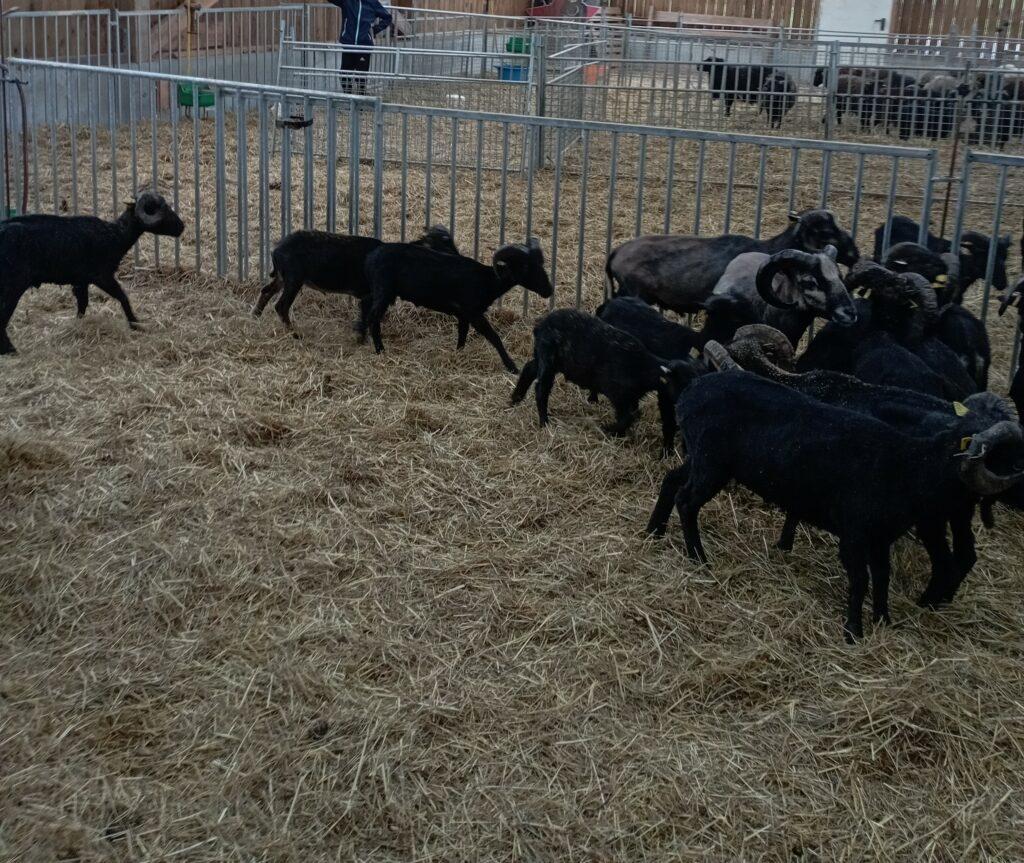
(135, 325)
(80, 315)
(256, 311)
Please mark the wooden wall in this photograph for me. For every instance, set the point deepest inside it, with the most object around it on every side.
(790, 13)
(939, 17)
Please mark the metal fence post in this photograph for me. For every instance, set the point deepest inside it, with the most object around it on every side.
(378, 167)
(540, 70)
(831, 89)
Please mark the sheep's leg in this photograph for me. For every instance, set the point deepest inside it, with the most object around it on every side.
(526, 379)
(625, 416)
(670, 486)
(669, 428)
(81, 293)
(365, 304)
(463, 332)
(542, 391)
(697, 491)
(111, 288)
(9, 299)
(854, 557)
(788, 534)
(964, 554)
(271, 288)
(932, 534)
(283, 306)
(880, 571)
(482, 326)
(378, 308)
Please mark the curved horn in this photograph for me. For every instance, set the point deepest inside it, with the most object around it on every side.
(764, 347)
(1011, 297)
(872, 276)
(718, 358)
(148, 219)
(767, 272)
(976, 474)
(921, 289)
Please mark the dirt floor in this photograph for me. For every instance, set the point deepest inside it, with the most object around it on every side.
(276, 599)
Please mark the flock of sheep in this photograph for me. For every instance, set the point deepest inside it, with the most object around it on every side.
(927, 106)
(882, 425)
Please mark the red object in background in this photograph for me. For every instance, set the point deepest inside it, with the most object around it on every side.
(560, 9)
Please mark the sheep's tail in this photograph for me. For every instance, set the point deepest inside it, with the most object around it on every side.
(614, 286)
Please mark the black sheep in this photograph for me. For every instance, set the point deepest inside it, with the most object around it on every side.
(331, 263)
(77, 251)
(605, 360)
(846, 473)
(734, 83)
(451, 284)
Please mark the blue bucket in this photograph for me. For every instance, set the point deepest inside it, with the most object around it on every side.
(508, 72)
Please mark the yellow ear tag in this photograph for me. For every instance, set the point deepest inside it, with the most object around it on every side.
(960, 409)
(964, 443)
(940, 281)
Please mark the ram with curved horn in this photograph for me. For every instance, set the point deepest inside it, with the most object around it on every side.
(892, 342)
(789, 289)
(78, 251)
(758, 349)
(680, 272)
(739, 427)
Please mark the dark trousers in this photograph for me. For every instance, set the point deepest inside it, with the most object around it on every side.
(357, 64)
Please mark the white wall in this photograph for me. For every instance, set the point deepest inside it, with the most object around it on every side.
(854, 16)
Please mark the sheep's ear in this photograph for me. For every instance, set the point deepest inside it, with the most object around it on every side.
(794, 216)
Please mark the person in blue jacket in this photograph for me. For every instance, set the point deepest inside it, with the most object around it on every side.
(361, 21)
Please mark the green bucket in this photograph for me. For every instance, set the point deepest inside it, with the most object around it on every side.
(185, 96)
(518, 45)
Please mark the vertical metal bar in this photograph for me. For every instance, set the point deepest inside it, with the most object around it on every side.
(154, 163)
(857, 185)
(504, 184)
(308, 162)
(729, 188)
(555, 211)
(404, 197)
(176, 168)
(794, 175)
(479, 181)
(613, 170)
(759, 199)
(640, 186)
(378, 169)
(332, 165)
(529, 221)
(264, 169)
(582, 227)
(669, 181)
(826, 176)
(221, 183)
(890, 202)
(428, 170)
(196, 163)
(997, 217)
(242, 129)
(452, 180)
(355, 167)
(698, 196)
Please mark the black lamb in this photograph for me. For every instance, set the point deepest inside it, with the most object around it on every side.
(77, 251)
(605, 360)
(331, 263)
(452, 284)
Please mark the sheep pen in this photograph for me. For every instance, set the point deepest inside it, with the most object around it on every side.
(267, 598)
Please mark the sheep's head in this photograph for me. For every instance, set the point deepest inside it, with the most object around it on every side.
(155, 215)
(709, 62)
(523, 265)
(816, 229)
(993, 459)
(761, 348)
(677, 375)
(939, 270)
(974, 252)
(1013, 298)
(901, 303)
(792, 279)
(438, 238)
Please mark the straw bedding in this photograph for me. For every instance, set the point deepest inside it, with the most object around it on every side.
(278, 599)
